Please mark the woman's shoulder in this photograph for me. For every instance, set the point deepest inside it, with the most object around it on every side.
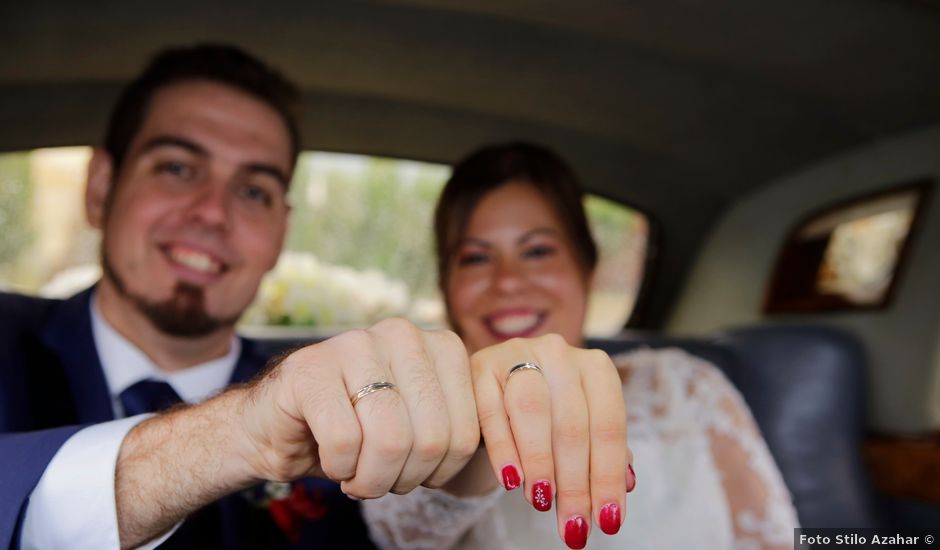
(671, 382)
(668, 365)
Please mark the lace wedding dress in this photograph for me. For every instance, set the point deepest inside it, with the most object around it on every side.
(706, 478)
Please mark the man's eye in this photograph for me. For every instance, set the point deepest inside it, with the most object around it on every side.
(472, 258)
(256, 194)
(540, 251)
(177, 169)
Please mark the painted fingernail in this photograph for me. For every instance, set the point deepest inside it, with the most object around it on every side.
(576, 532)
(631, 479)
(610, 518)
(542, 495)
(511, 478)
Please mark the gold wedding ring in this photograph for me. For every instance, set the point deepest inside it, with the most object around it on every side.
(371, 388)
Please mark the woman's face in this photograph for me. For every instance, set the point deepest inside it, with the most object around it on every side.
(514, 273)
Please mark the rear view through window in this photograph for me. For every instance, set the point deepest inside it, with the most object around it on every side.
(359, 246)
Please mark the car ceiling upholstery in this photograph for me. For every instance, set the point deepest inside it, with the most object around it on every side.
(679, 107)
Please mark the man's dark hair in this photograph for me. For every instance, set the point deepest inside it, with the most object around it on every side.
(223, 64)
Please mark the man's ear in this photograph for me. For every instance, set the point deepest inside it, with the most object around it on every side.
(98, 186)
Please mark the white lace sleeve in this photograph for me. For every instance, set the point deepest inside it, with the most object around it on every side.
(761, 511)
(425, 518)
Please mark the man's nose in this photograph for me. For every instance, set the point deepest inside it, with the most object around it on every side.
(210, 205)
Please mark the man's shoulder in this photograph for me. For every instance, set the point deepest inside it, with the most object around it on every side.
(21, 310)
(16, 300)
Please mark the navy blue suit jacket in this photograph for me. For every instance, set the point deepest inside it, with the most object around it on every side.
(52, 385)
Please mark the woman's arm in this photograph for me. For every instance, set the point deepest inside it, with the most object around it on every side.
(761, 511)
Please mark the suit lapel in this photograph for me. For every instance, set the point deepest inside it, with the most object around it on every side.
(250, 363)
(68, 335)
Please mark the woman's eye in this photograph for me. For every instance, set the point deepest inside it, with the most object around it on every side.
(540, 251)
(472, 258)
(177, 169)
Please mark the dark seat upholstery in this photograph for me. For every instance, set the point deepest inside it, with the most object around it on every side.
(805, 386)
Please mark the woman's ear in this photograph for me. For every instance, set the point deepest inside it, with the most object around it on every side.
(98, 187)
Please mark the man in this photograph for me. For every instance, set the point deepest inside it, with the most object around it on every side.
(190, 195)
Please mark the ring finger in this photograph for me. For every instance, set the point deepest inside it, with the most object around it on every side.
(383, 418)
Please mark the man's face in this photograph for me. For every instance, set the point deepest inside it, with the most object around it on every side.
(197, 213)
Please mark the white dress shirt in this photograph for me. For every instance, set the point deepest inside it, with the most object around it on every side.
(73, 505)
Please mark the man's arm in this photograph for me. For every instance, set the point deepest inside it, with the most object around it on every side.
(23, 458)
(297, 420)
(174, 464)
(73, 504)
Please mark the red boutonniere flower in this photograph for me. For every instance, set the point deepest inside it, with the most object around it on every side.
(289, 512)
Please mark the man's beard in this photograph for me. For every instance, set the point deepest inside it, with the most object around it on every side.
(183, 314)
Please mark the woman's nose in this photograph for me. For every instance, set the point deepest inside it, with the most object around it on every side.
(509, 276)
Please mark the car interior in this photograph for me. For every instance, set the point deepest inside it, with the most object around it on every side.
(783, 154)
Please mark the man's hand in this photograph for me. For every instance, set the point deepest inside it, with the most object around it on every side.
(298, 419)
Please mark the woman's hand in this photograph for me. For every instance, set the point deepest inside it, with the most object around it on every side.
(562, 431)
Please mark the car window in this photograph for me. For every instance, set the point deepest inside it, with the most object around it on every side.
(359, 246)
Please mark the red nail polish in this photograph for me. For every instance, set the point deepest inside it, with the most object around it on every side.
(511, 478)
(542, 496)
(631, 479)
(576, 532)
(610, 518)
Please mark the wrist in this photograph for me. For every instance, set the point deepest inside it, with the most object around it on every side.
(222, 422)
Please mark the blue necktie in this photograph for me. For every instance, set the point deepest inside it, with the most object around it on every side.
(148, 396)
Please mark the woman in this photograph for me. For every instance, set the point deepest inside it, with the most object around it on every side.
(515, 260)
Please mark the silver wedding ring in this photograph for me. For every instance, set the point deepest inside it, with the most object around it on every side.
(521, 367)
(371, 388)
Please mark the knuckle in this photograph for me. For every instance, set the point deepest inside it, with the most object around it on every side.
(435, 482)
(604, 479)
(571, 433)
(528, 404)
(490, 417)
(541, 460)
(464, 446)
(449, 339)
(478, 371)
(403, 488)
(609, 431)
(553, 342)
(353, 339)
(480, 360)
(396, 327)
(574, 494)
(596, 357)
(369, 490)
(430, 449)
(342, 442)
(515, 342)
(392, 448)
(337, 472)
(440, 477)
